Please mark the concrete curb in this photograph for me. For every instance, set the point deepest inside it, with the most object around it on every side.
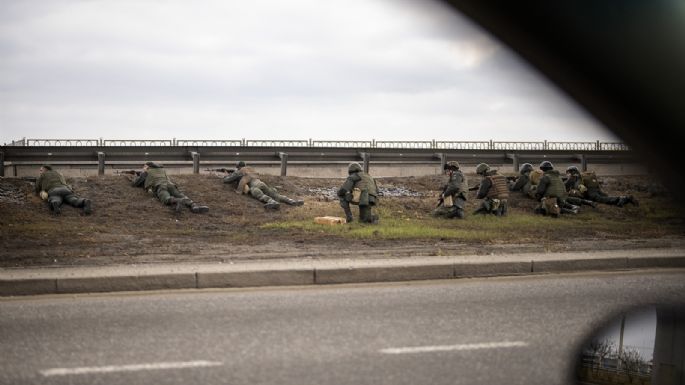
(31, 281)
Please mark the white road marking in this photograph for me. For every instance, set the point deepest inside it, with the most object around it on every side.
(129, 368)
(447, 348)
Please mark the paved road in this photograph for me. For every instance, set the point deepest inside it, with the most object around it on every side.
(517, 330)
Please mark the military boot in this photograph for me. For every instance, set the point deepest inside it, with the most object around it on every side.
(565, 210)
(633, 201)
(197, 209)
(622, 200)
(348, 214)
(55, 207)
(294, 202)
(87, 207)
(272, 204)
(590, 203)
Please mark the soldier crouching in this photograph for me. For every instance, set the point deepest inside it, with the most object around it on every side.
(453, 197)
(359, 189)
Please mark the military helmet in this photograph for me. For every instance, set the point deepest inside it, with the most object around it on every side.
(573, 170)
(47, 166)
(526, 167)
(451, 165)
(354, 167)
(546, 165)
(482, 168)
(240, 164)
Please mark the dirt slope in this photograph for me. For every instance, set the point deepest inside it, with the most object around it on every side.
(130, 226)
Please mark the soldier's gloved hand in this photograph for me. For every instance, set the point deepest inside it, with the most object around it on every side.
(43, 195)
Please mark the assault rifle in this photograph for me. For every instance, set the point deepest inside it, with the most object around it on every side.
(130, 172)
(226, 170)
(475, 188)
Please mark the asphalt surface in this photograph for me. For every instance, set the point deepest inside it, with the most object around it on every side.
(286, 271)
(504, 330)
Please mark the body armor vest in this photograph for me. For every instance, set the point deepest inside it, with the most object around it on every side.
(590, 180)
(499, 189)
(366, 183)
(556, 187)
(458, 177)
(535, 176)
(155, 177)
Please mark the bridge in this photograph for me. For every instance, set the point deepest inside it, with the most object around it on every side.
(101, 155)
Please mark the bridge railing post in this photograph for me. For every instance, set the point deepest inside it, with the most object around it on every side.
(196, 161)
(284, 163)
(101, 163)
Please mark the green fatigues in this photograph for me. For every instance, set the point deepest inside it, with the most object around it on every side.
(456, 188)
(593, 192)
(368, 199)
(58, 191)
(259, 190)
(495, 194)
(156, 180)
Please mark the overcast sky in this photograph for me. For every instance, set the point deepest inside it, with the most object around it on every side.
(268, 69)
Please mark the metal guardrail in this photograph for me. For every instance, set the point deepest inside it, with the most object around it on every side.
(425, 144)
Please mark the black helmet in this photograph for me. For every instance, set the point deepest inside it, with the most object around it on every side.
(240, 164)
(452, 165)
(354, 167)
(526, 167)
(546, 165)
(573, 170)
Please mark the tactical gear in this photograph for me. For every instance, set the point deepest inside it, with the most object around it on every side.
(482, 168)
(573, 170)
(535, 176)
(555, 186)
(546, 165)
(48, 180)
(155, 177)
(551, 206)
(240, 165)
(526, 167)
(356, 196)
(354, 167)
(47, 167)
(589, 179)
(499, 188)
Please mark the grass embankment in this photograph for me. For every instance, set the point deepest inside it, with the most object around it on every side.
(651, 220)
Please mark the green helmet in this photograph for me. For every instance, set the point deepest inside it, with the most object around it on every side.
(240, 164)
(573, 170)
(452, 165)
(354, 167)
(482, 168)
(526, 167)
(546, 166)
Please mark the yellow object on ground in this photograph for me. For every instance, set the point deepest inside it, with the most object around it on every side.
(331, 221)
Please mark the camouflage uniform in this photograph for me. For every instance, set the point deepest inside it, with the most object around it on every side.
(247, 181)
(456, 189)
(367, 190)
(53, 183)
(155, 181)
(586, 186)
(493, 190)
